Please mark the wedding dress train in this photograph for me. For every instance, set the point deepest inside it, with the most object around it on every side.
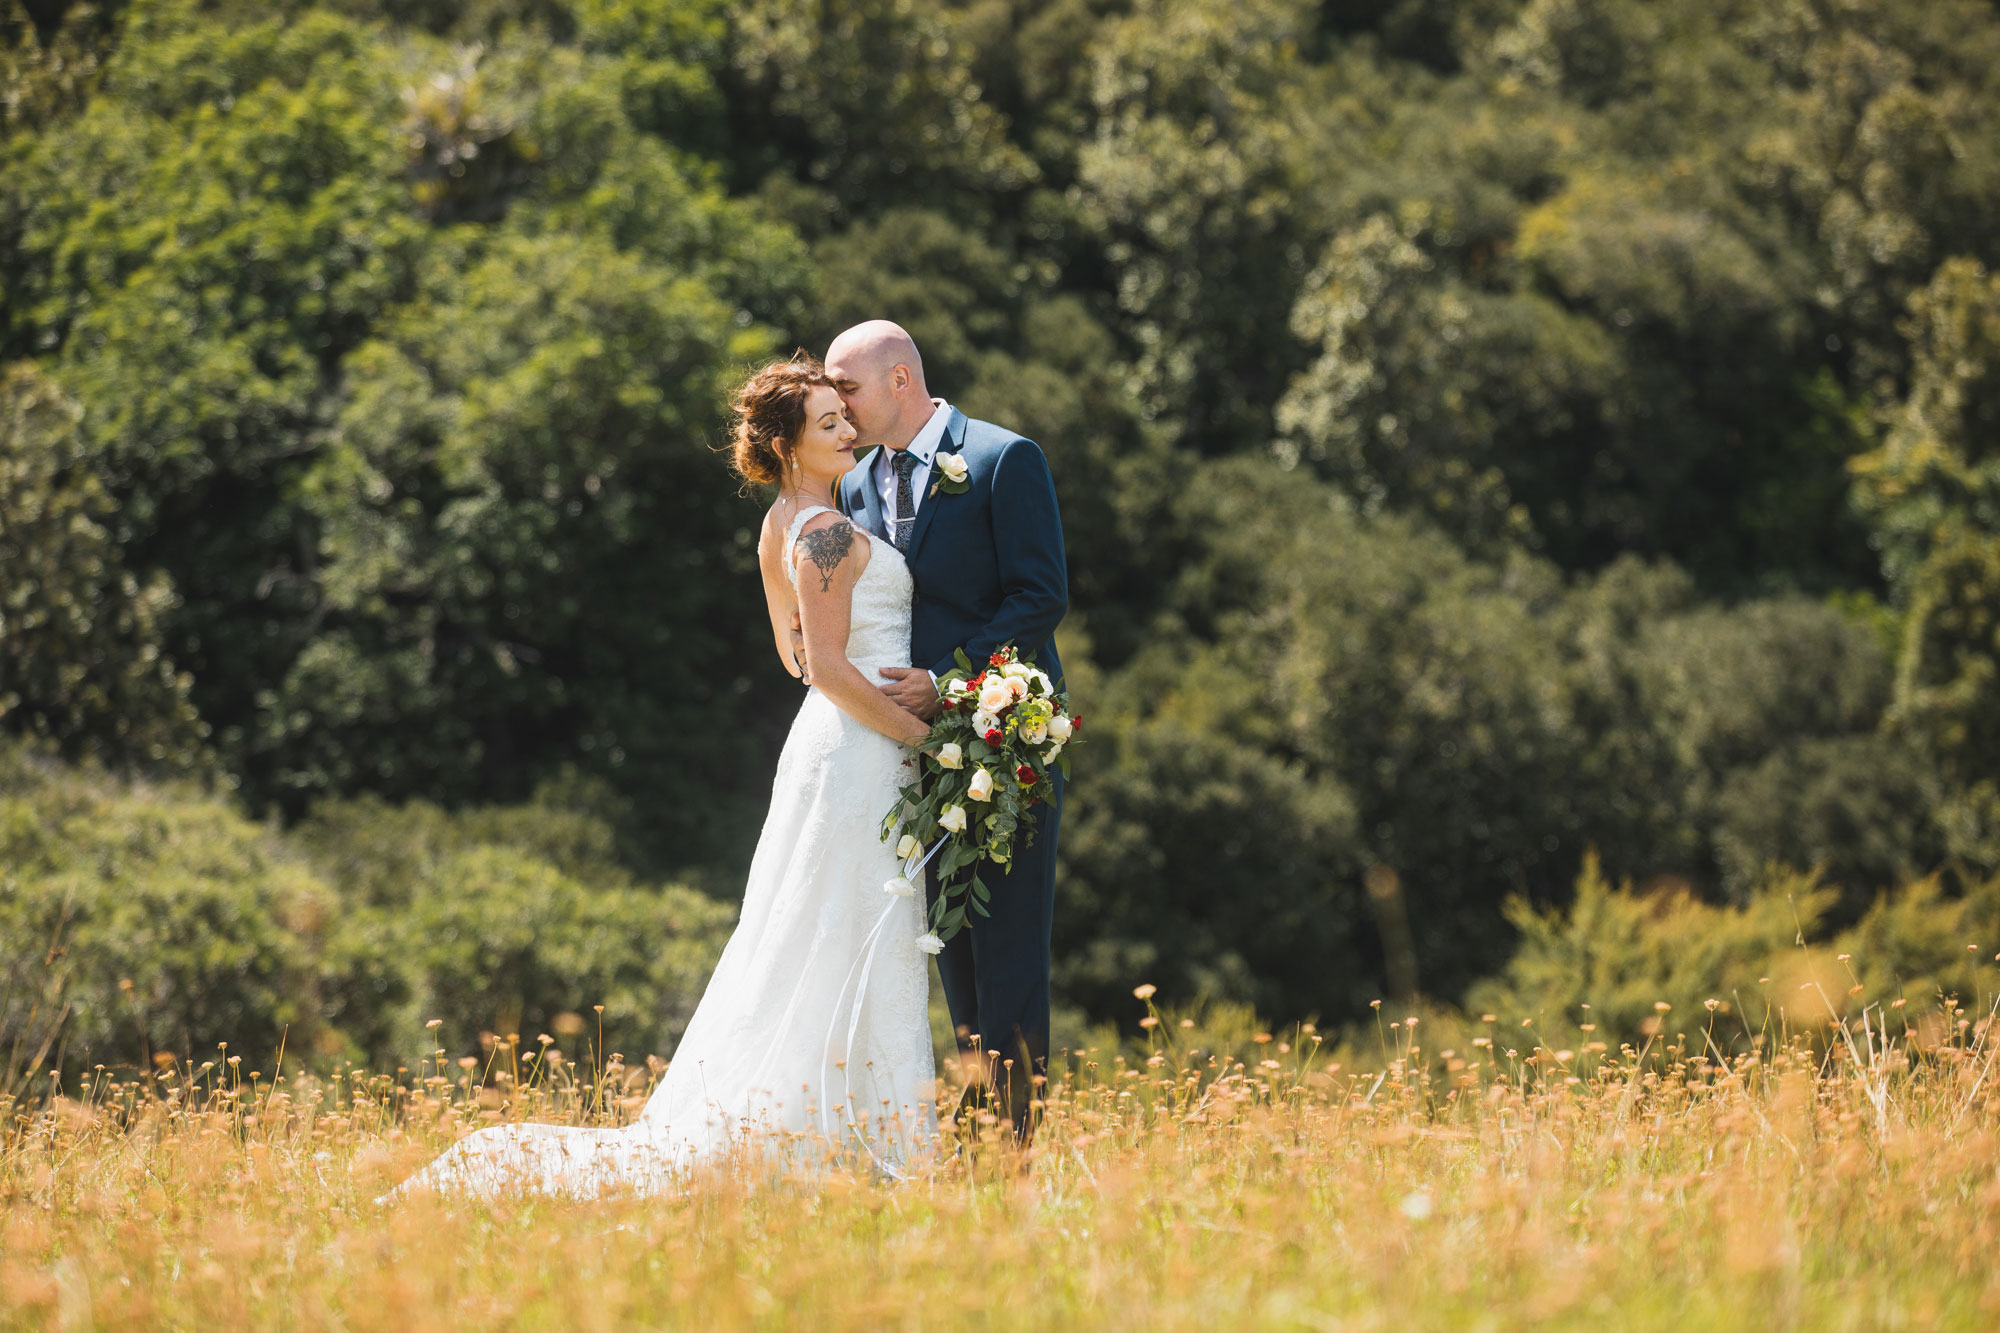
(812, 1039)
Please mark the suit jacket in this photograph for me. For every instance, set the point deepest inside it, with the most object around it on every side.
(988, 563)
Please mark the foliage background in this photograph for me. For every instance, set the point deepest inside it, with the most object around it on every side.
(1486, 433)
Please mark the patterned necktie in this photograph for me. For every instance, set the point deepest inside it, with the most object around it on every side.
(904, 463)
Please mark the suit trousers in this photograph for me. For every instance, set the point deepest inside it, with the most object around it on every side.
(996, 975)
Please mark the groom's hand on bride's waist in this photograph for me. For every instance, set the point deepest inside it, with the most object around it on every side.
(912, 688)
(799, 650)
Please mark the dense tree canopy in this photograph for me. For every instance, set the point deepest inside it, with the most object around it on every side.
(1485, 431)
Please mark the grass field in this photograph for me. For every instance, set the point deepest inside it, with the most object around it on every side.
(1210, 1183)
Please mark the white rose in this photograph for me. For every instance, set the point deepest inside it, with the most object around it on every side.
(952, 820)
(958, 686)
(995, 695)
(1017, 686)
(983, 722)
(1049, 755)
(930, 943)
(982, 786)
(1036, 734)
(951, 756)
(908, 847)
(1014, 669)
(901, 887)
(953, 466)
(1059, 727)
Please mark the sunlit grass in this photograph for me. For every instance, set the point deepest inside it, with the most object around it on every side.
(1194, 1178)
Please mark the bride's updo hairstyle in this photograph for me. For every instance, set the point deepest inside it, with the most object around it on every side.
(770, 412)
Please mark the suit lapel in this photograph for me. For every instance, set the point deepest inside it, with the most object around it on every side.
(866, 504)
(953, 442)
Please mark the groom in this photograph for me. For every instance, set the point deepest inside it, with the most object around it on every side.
(989, 570)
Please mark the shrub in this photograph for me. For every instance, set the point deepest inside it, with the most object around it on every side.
(138, 919)
(162, 919)
(1769, 963)
(498, 941)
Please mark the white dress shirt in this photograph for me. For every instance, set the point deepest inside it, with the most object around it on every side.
(924, 449)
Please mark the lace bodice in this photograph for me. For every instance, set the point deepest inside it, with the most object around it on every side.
(879, 628)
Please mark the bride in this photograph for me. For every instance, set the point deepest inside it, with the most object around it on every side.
(812, 1040)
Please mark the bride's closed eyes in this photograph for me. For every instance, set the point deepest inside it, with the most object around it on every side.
(826, 445)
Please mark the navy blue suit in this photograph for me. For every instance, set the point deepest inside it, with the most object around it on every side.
(989, 570)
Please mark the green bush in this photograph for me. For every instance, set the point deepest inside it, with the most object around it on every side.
(1762, 967)
(158, 919)
(162, 919)
(1857, 808)
(496, 941)
(1614, 955)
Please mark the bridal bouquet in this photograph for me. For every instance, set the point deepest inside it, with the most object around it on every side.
(984, 764)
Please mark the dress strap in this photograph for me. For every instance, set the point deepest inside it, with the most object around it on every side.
(799, 521)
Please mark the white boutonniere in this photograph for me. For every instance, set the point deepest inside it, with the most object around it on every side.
(952, 473)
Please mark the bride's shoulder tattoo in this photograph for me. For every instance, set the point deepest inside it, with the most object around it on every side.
(827, 547)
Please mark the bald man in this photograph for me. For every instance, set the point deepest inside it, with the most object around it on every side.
(989, 570)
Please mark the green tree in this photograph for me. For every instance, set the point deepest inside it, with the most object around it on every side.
(866, 100)
(1450, 732)
(1189, 178)
(82, 662)
(1932, 492)
(400, 362)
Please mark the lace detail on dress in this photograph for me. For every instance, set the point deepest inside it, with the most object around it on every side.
(814, 1032)
(879, 625)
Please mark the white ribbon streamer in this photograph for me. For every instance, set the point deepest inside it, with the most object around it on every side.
(864, 965)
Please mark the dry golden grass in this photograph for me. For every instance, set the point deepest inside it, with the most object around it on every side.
(1854, 1188)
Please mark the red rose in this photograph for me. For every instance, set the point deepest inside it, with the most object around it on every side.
(1075, 723)
(1026, 775)
(949, 703)
(994, 737)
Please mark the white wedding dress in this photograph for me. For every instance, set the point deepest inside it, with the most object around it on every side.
(812, 1041)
